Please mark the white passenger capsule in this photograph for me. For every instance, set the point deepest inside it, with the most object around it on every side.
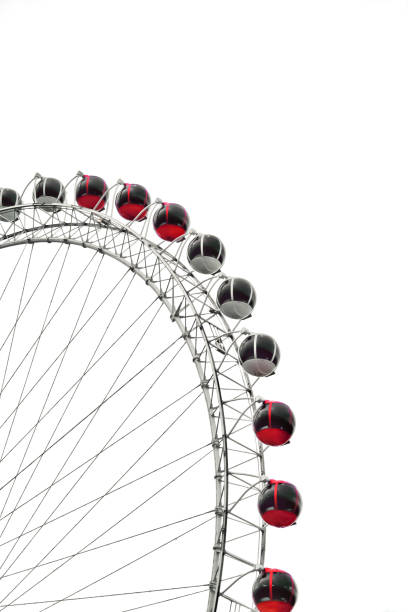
(259, 355)
(9, 198)
(206, 254)
(236, 298)
(48, 193)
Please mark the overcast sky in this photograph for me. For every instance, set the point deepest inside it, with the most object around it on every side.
(282, 126)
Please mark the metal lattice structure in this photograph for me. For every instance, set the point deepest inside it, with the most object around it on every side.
(239, 542)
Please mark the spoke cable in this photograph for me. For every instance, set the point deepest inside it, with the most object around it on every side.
(91, 464)
(91, 413)
(42, 410)
(124, 436)
(157, 492)
(82, 376)
(26, 380)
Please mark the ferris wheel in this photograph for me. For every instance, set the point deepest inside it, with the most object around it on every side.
(131, 440)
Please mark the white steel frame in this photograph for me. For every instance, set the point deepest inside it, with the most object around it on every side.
(213, 345)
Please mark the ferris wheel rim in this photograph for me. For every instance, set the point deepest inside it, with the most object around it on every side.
(85, 218)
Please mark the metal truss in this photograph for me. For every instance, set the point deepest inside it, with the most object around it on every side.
(239, 544)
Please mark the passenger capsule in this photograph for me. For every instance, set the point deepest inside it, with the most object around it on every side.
(48, 193)
(259, 355)
(274, 423)
(132, 201)
(90, 192)
(279, 503)
(236, 298)
(170, 221)
(9, 198)
(206, 254)
(274, 591)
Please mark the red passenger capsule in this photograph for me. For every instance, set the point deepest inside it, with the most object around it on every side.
(171, 221)
(132, 202)
(274, 423)
(274, 591)
(279, 503)
(90, 192)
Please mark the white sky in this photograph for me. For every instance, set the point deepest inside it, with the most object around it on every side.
(283, 128)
